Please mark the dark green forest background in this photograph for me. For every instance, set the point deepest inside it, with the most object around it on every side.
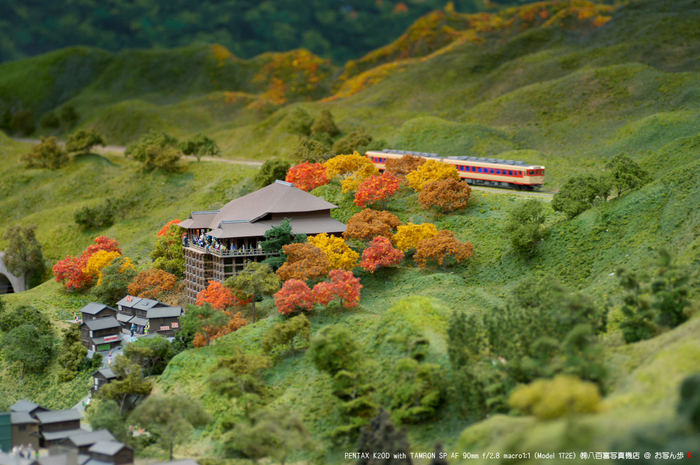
(335, 29)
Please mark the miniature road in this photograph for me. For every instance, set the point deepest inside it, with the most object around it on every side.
(120, 149)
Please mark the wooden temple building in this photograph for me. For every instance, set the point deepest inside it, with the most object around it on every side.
(218, 244)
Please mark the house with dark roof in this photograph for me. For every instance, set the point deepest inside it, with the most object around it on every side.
(240, 226)
(149, 316)
(25, 429)
(102, 376)
(101, 333)
(27, 406)
(94, 310)
(115, 453)
(84, 441)
(58, 425)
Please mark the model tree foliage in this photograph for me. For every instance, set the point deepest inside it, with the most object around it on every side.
(447, 195)
(377, 190)
(525, 226)
(408, 236)
(338, 253)
(304, 261)
(72, 355)
(579, 193)
(289, 333)
(23, 254)
(46, 154)
(115, 280)
(352, 142)
(344, 288)
(168, 254)
(84, 140)
(371, 223)
(380, 254)
(199, 146)
(625, 174)
(294, 296)
(300, 122)
(442, 248)
(170, 418)
(311, 151)
(404, 165)
(255, 280)
(325, 123)
(152, 284)
(351, 169)
(277, 237)
(155, 150)
(204, 320)
(22, 122)
(431, 171)
(151, 353)
(105, 414)
(129, 382)
(271, 171)
(29, 346)
(307, 176)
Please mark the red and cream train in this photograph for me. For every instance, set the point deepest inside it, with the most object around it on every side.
(477, 171)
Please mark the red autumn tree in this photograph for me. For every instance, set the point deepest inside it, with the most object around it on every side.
(71, 270)
(307, 176)
(442, 247)
(165, 230)
(217, 295)
(370, 223)
(380, 254)
(151, 284)
(376, 189)
(294, 295)
(344, 287)
(447, 195)
(304, 261)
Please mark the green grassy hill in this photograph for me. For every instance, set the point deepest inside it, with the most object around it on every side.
(567, 98)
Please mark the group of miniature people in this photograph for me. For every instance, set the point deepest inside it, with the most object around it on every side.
(209, 243)
(26, 452)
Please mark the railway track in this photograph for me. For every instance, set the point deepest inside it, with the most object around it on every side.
(495, 190)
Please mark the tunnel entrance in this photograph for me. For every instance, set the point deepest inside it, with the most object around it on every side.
(5, 285)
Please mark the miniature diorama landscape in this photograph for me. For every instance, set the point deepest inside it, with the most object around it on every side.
(337, 301)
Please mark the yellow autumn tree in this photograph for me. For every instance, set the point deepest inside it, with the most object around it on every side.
(431, 171)
(100, 260)
(339, 255)
(409, 235)
(352, 168)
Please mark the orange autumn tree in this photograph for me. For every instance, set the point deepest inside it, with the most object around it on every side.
(409, 235)
(208, 323)
(447, 195)
(377, 189)
(442, 247)
(295, 295)
(370, 223)
(344, 287)
(304, 261)
(352, 169)
(404, 165)
(217, 296)
(71, 270)
(337, 252)
(99, 260)
(431, 171)
(307, 176)
(165, 230)
(152, 284)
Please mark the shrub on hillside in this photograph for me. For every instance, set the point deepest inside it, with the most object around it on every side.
(167, 253)
(625, 174)
(84, 140)
(312, 151)
(579, 193)
(155, 150)
(352, 142)
(115, 279)
(524, 227)
(325, 123)
(447, 195)
(49, 120)
(554, 398)
(300, 122)
(46, 154)
(200, 145)
(271, 171)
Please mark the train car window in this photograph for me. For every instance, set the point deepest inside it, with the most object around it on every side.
(498, 171)
(492, 171)
(510, 173)
(480, 170)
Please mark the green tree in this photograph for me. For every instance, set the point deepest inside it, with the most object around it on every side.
(524, 226)
(151, 353)
(311, 150)
(334, 349)
(240, 376)
(200, 145)
(155, 150)
(84, 140)
(23, 122)
(50, 121)
(294, 330)
(277, 237)
(197, 318)
(29, 346)
(578, 194)
(382, 435)
(23, 253)
(352, 142)
(325, 123)
(170, 418)
(256, 280)
(300, 122)
(168, 254)
(625, 174)
(115, 282)
(416, 390)
(271, 432)
(270, 171)
(47, 154)
(130, 382)
(72, 355)
(69, 116)
(105, 414)
(24, 315)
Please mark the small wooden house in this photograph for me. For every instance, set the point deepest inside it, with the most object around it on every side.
(58, 425)
(27, 406)
(143, 313)
(112, 452)
(102, 376)
(83, 442)
(25, 430)
(93, 310)
(164, 320)
(101, 334)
